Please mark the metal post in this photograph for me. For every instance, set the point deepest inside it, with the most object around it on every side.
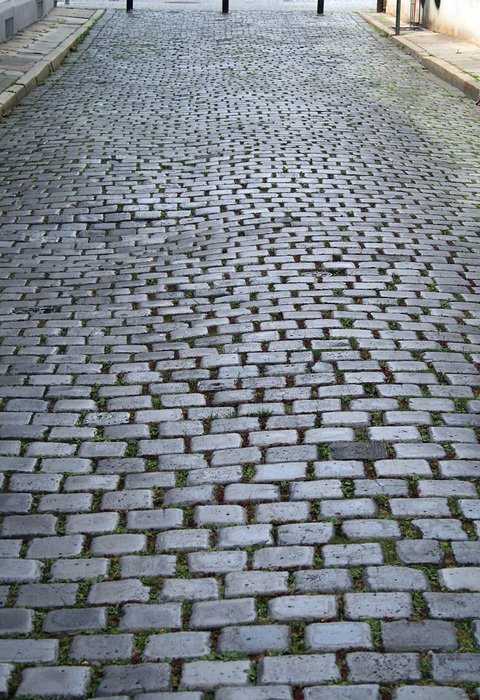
(380, 6)
(129, 5)
(225, 7)
(320, 4)
(398, 17)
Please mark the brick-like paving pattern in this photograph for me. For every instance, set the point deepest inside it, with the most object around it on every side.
(240, 343)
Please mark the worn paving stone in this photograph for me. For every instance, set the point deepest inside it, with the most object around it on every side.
(28, 651)
(344, 692)
(135, 679)
(102, 647)
(20, 571)
(15, 622)
(419, 692)
(335, 636)
(418, 636)
(6, 671)
(254, 639)
(213, 614)
(383, 668)
(456, 668)
(278, 692)
(148, 617)
(306, 607)
(212, 674)
(66, 681)
(177, 645)
(306, 669)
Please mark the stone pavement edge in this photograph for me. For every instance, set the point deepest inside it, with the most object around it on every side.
(449, 58)
(36, 51)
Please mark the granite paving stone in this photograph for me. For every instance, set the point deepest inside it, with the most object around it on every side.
(66, 681)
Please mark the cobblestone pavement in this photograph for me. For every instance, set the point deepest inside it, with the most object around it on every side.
(240, 352)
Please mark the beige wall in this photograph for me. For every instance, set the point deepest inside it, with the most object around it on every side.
(460, 18)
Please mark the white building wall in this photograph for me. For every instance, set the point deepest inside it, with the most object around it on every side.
(458, 18)
(21, 13)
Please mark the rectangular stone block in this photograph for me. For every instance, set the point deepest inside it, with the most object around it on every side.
(64, 681)
(373, 667)
(298, 670)
(336, 636)
(177, 645)
(134, 679)
(206, 675)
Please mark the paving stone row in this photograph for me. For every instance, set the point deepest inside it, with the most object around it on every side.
(240, 408)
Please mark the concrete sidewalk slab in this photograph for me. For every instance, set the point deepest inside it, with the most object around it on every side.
(29, 57)
(453, 60)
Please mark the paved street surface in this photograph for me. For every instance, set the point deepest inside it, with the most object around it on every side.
(240, 351)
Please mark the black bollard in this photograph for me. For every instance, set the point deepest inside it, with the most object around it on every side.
(225, 7)
(320, 4)
(398, 17)
(129, 5)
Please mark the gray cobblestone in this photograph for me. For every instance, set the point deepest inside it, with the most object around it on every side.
(52, 547)
(372, 667)
(212, 674)
(255, 583)
(162, 519)
(15, 622)
(214, 614)
(160, 565)
(352, 554)
(148, 617)
(28, 651)
(282, 512)
(254, 639)
(418, 636)
(244, 536)
(453, 606)
(113, 592)
(395, 578)
(67, 681)
(190, 589)
(303, 607)
(336, 636)
(283, 557)
(177, 645)
(360, 606)
(305, 670)
(277, 692)
(456, 668)
(47, 595)
(419, 552)
(74, 620)
(421, 692)
(135, 679)
(343, 692)
(326, 581)
(216, 562)
(6, 671)
(24, 525)
(20, 571)
(102, 647)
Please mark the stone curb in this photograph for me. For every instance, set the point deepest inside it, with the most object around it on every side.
(442, 69)
(41, 70)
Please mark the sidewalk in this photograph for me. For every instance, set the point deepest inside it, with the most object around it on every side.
(453, 60)
(28, 58)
